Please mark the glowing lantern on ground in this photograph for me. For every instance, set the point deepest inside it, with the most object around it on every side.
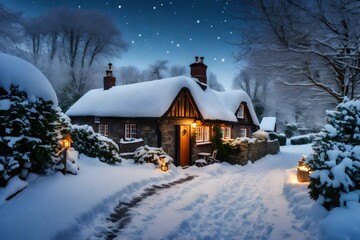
(303, 171)
(163, 164)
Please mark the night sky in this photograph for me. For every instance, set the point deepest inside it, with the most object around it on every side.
(176, 30)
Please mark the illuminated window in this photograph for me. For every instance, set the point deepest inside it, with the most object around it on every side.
(103, 129)
(226, 132)
(130, 131)
(243, 132)
(240, 113)
(203, 134)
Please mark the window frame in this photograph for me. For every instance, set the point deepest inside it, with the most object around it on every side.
(226, 132)
(202, 134)
(103, 129)
(130, 131)
(241, 130)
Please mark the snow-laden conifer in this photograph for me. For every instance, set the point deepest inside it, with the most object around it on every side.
(336, 159)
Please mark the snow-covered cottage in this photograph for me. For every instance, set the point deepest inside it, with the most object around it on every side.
(176, 113)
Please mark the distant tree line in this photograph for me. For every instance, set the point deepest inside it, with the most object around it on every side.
(160, 69)
(72, 46)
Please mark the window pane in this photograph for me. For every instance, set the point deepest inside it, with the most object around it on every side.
(130, 131)
(199, 135)
(206, 133)
(243, 132)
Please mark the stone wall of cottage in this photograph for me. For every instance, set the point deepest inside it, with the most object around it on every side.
(168, 138)
(146, 128)
(253, 151)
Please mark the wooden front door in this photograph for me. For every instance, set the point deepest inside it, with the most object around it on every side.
(184, 145)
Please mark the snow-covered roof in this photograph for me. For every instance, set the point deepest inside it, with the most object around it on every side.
(268, 123)
(154, 98)
(18, 72)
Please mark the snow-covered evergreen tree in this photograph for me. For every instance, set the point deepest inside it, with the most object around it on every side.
(28, 134)
(336, 159)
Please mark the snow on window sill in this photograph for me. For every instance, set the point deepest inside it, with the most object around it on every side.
(203, 143)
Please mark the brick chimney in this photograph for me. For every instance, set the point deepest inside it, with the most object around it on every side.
(198, 70)
(109, 80)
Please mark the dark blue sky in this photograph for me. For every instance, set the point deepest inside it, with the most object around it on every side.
(174, 30)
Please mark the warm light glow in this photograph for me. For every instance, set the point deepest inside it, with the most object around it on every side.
(304, 168)
(193, 124)
(66, 142)
(163, 165)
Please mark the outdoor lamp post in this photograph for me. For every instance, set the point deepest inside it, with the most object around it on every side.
(66, 143)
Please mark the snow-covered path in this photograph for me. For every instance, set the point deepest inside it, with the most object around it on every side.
(223, 202)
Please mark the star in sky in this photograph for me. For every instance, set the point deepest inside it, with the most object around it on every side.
(176, 30)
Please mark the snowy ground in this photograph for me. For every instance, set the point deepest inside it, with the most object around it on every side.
(257, 201)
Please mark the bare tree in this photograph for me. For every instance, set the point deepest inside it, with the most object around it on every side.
(213, 83)
(158, 69)
(177, 70)
(76, 39)
(256, 87)
(317, 42)
(10, 28)
(129, 75)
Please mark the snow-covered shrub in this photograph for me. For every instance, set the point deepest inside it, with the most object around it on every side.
(217, 142)
(291, 130)
(280, 137)
(92, 144)
(72, 165)
(28, 134)
(261, 135)
(146, 154)
(336, 159)
(302, 139)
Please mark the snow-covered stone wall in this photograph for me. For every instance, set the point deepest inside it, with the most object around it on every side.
(253, 151)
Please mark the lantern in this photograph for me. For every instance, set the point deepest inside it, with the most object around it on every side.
(66, 142)
(163, 164)
(193, 124)
(303, 171)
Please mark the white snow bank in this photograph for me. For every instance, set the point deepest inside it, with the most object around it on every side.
(14, 185)
(54, 203)
(18, 72)
(237, 202)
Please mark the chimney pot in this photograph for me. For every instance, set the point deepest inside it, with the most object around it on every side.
(109, 79)
(198, 70)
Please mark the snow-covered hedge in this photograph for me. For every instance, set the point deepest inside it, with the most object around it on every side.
(92, 144)
(29, 134)
(280, 137)
(146, 154)
(336, 159)
(302, 139)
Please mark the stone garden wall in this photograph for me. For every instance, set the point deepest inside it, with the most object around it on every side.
(252, 151)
